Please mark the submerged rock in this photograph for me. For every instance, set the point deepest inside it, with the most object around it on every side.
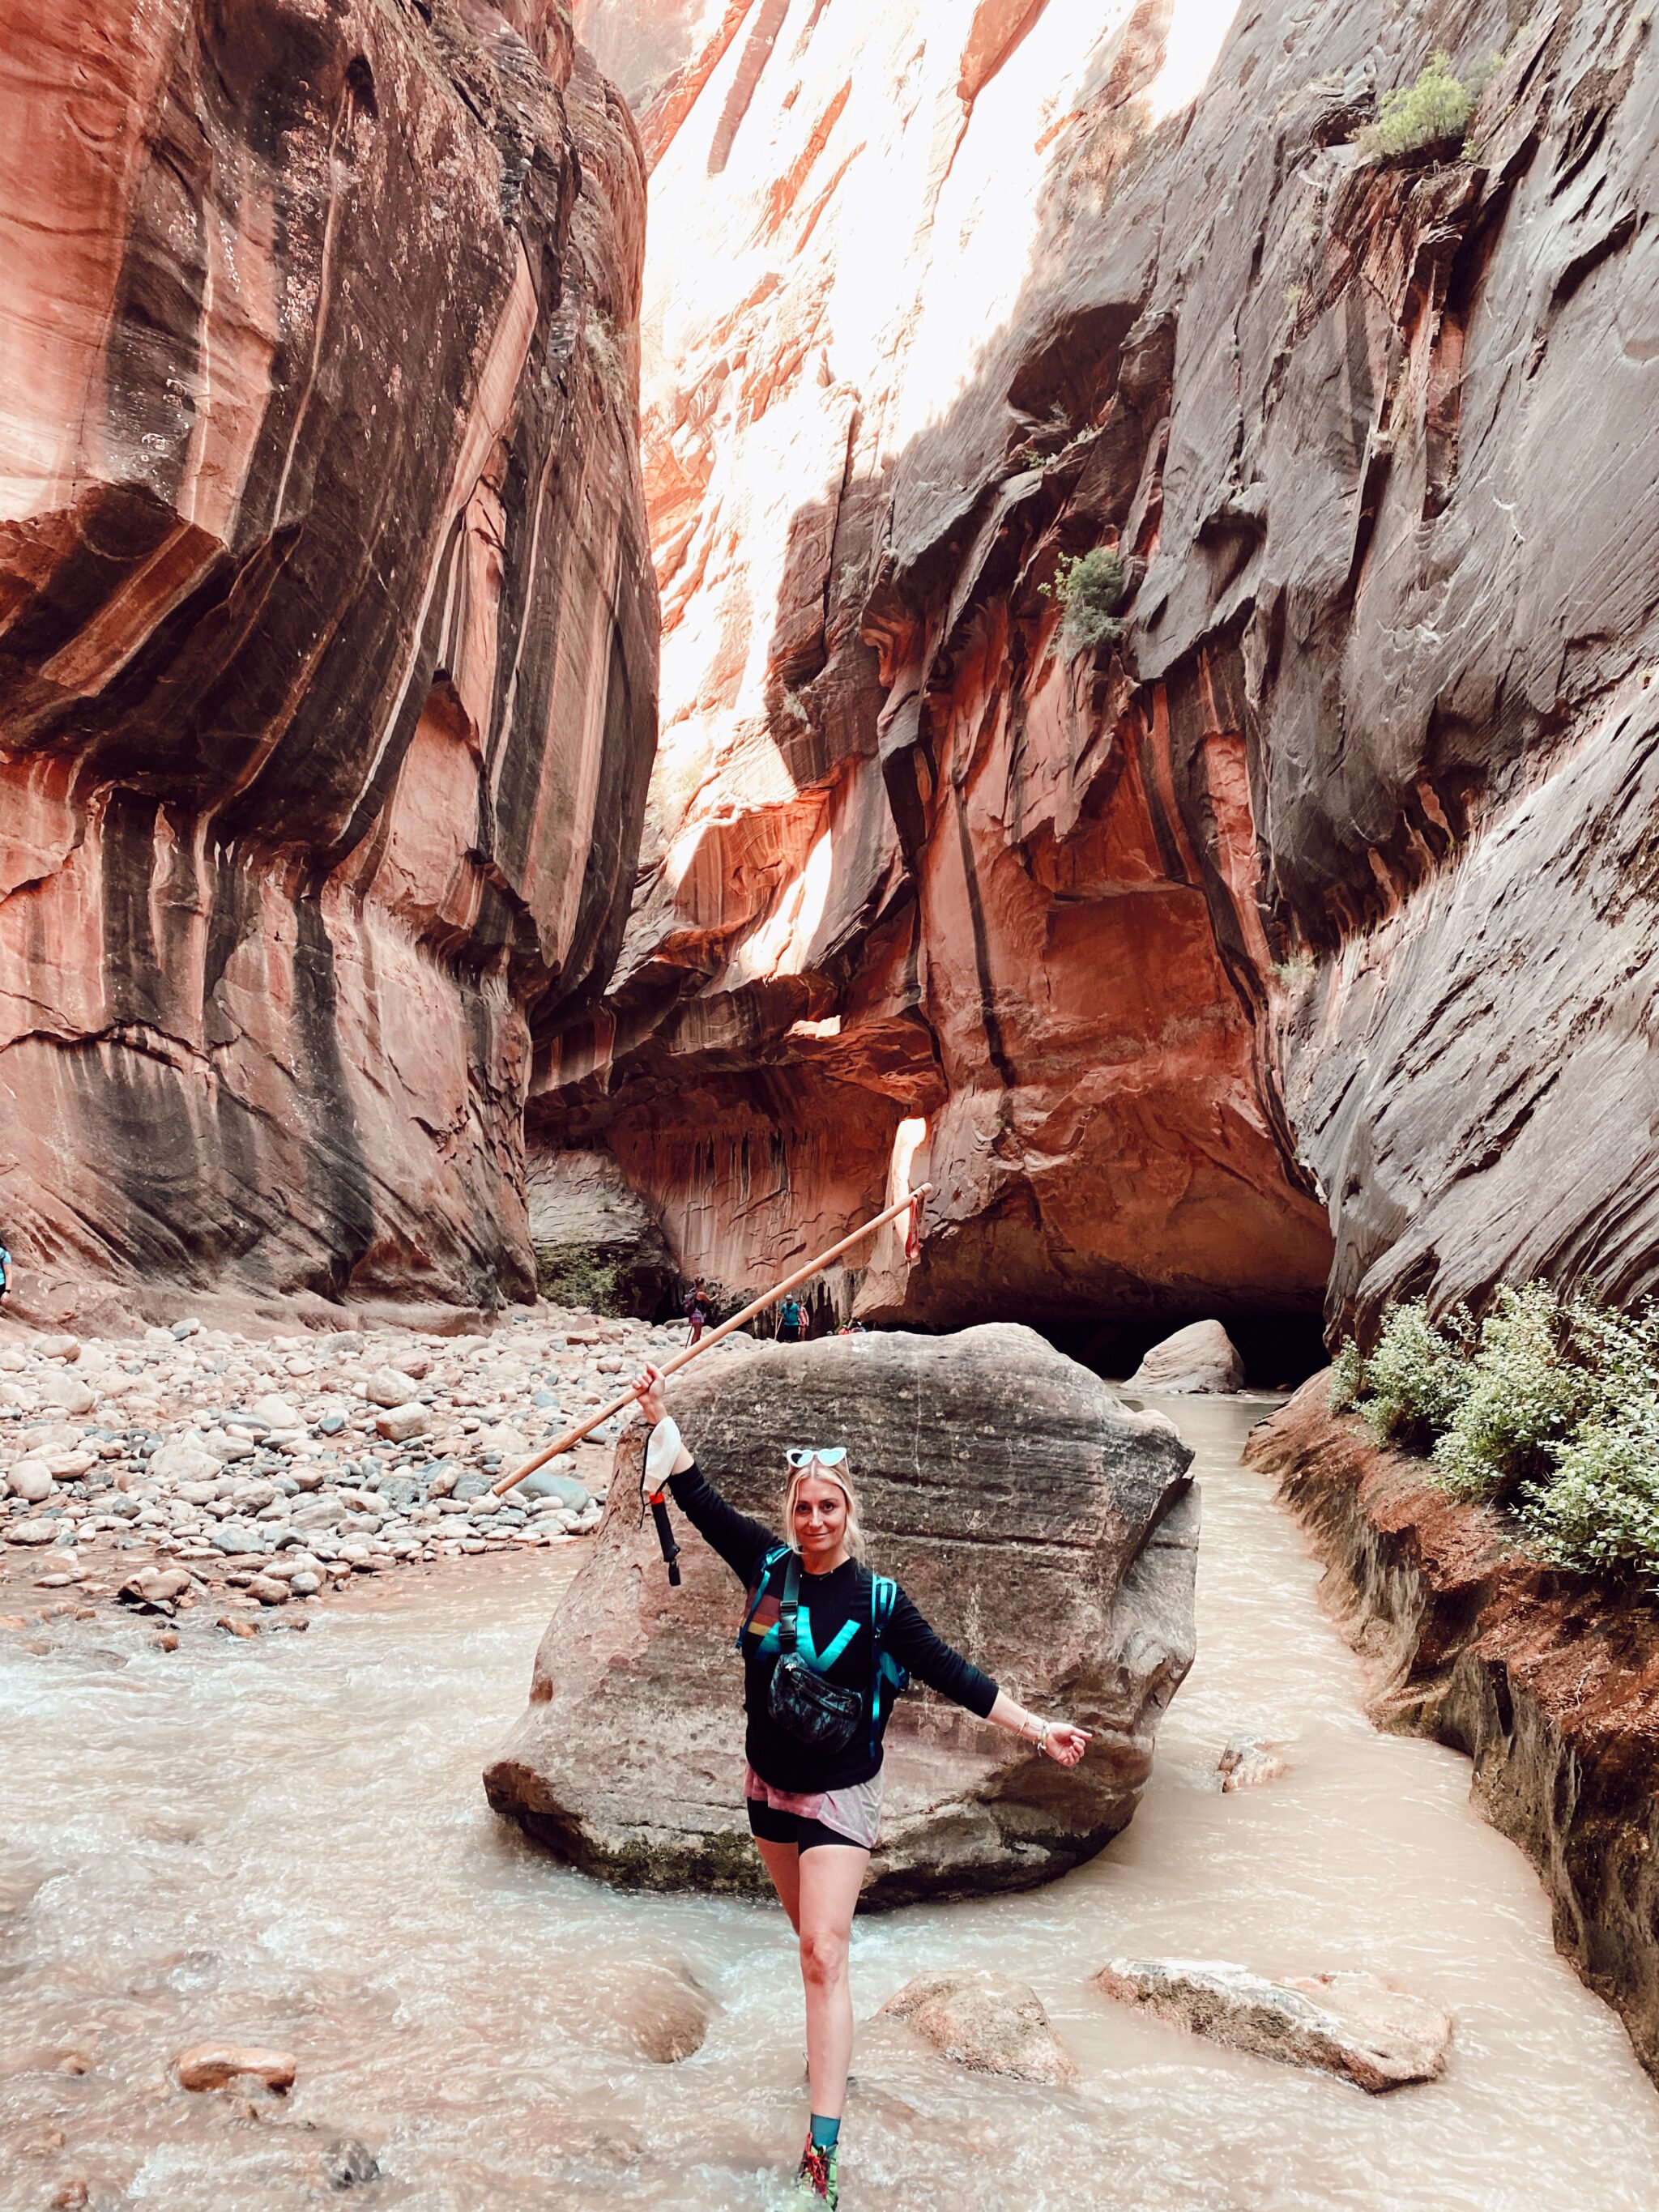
(1348, 2024)
(654, 2008)
(1197, 1361)
(986, 2021)
(215, 2065)
(1040, 1525)
(348, 2164)
(1248, 1761)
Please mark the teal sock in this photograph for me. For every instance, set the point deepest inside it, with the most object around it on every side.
(824, 2132)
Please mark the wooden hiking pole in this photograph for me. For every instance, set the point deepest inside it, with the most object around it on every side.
(572, 1436)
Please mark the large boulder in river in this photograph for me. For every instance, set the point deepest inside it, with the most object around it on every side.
(1197, 1361)
(1040, 1525)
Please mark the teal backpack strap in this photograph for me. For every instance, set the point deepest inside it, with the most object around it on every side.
(778, 1552)
(889, 1675)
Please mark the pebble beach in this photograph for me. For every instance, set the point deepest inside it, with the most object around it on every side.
(192, 1464)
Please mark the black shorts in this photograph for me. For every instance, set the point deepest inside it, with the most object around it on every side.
(774, 1828)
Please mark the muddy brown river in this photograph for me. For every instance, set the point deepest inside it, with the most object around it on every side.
(285, 1843)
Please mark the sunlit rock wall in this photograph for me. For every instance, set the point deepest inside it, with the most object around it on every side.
(1316, 898)
(904, 865)
(639, 44)
(327, 655)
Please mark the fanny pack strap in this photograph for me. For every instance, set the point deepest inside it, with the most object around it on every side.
(789, 1606)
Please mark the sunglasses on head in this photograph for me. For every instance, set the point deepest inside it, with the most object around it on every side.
(804, 1455)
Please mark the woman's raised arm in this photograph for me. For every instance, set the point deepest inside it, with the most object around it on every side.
(741, 1541)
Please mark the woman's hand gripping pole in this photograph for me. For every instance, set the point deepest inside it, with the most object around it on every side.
(664, 1454)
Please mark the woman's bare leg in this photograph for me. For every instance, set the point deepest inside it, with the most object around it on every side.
(782, 1863)
(831, 1876)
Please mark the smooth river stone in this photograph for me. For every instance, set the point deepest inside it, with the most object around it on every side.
(215, 2065)
(1194, 1361)
(1349, 2024)
(987, 2022)
(70, 1392)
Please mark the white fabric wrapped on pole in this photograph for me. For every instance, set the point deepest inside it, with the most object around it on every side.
(661, 1453)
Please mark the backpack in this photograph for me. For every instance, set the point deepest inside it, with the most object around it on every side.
(889, 1679)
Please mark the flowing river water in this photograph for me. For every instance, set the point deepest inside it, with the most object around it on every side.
(285, 1843)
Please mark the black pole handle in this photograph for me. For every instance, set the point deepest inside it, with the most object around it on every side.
(665, 1544)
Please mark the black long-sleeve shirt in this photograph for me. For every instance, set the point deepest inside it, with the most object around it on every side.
(835, 1618)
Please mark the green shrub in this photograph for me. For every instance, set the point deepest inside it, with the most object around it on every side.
(1601, 1507)
(1090, 586)
(1433, 112)
(1414, 1380)
(1526, 1397)
(1551, 1411)
(1347, 1378)
(574, 1275)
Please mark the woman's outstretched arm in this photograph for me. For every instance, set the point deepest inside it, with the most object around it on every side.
(743, 1543)
(932, 1660)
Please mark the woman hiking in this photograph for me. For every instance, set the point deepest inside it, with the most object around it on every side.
(824, 1643)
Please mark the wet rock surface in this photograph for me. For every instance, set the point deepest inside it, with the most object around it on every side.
(1548, 1682)
(349, 2164)
(211, 1465)
(990, 2023)
(327, 658)
(218, 2065)
(1247, 1762)
(1349, 2024)
(1040, 1525)
(1196, 1361)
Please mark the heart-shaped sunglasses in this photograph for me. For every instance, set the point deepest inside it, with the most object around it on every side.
(804, 1455)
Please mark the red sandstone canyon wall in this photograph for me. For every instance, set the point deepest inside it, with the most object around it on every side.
(327, 631)
(1307, 913)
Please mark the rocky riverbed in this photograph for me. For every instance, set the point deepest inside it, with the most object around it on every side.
(281, 1843)
(194, 1463)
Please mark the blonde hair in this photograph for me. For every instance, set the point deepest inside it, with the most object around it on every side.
(841, 1476)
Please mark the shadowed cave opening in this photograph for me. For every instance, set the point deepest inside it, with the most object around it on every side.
(1281, 1351)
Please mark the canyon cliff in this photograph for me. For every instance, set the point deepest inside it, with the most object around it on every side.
(1296, 925)
(327, 629)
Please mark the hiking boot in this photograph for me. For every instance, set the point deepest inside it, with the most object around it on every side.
(816, 2181)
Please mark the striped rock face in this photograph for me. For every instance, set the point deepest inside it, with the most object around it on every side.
(907, 867)
(1045, 1529)
(1304, 926)
(324, 726)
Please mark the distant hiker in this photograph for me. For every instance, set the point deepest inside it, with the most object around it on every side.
(791, 1321)
(826, 1646)
(698, 1308)
(5, 1273)
(851, 1328)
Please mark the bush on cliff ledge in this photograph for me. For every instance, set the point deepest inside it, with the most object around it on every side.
(1550, 1410)
(1433, 112)
(1089, 587)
